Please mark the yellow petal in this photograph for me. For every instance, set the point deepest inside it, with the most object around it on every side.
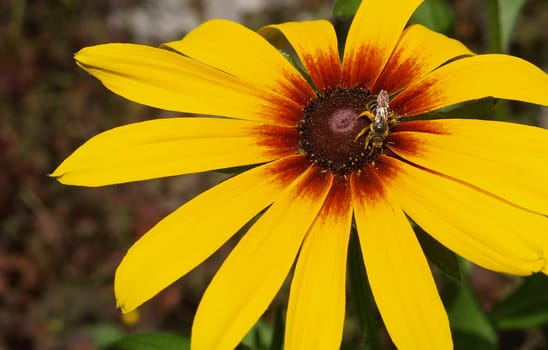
(193, 232)
(373, 35)
(165, 79)
(481, 227)
(418, 52)
(471, 78)
(237, 50)
(400, 279)
(316, 45)
(315, 314)
(173, 146)
(508, 160)
(254, 271)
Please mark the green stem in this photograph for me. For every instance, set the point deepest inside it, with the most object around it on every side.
(502, 109)
(361, 295)
(495, 42)
(278, 332)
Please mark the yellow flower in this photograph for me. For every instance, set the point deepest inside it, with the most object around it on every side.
(478, 187)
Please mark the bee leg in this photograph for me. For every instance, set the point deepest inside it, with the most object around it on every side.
(367, 114)
(367, 139)
(361, 133)
(392, 119)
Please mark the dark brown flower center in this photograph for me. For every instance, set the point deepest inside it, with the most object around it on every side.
(329, 129)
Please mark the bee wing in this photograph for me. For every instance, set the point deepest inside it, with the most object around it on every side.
(383, 99)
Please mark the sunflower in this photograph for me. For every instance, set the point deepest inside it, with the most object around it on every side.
(327, 144)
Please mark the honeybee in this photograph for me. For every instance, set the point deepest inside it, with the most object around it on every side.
(381, 120)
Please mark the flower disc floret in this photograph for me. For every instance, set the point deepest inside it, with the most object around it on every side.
(329, 128)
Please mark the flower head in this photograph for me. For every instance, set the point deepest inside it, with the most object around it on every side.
(330, 146)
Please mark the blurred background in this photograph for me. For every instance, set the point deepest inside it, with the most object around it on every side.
(60, 245)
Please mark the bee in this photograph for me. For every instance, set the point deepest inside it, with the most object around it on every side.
(381, 120)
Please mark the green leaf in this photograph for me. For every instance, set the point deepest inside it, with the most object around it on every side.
(104, 334)
(481, 109)
(437, 253)
(152, 341)
(508, 13)
(467, 340)
(466, 316)
(525, 307)
(363, 304)
(258, 337)
(486, 108)
(436, 15)
(345, 8)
